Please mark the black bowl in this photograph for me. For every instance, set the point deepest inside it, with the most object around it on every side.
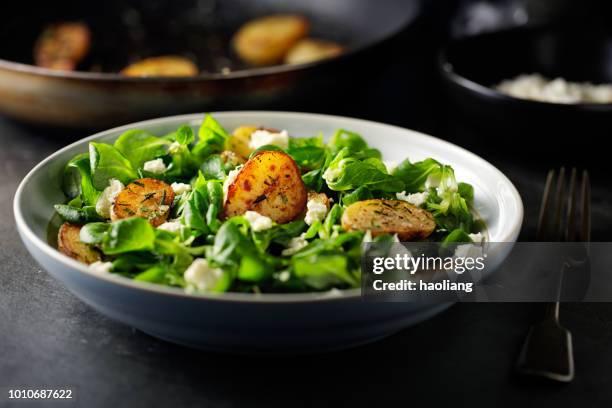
(470, 67)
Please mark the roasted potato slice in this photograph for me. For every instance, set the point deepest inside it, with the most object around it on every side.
(164, 66)
(389, 217)
(310, 50)
(269, 183)
(62, 46)
(266, 40)
(69, 243)
(147, 198)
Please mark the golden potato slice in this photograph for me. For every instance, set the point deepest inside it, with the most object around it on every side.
(269, 183)
(147, 198)
(266, 40)
(62, 46)
(69, 243)
(310, 50)
(164, 66)
(389, 217)
(239, 140)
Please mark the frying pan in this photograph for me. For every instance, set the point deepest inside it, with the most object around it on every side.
(96, 96)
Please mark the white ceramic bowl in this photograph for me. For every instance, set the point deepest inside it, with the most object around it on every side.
(257, 323)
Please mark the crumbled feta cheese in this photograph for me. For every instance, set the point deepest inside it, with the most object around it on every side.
(417, 199)
(390, 165)
(229, 180)
(558, 90)
(263, 137)
(101, 267)
(174, 148)
(477, 238)
(164, 209)
(284, 276)
(171, 226)
(107, 198)
(295, 244)
(180, 188)
(156, 166)
(201, 275)
(258, 222)
(317, 210)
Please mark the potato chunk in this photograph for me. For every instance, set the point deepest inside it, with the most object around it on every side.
(266, 40)
(269, 183)
(164, 66)
(389, 217)
(69, 243)
(310, 50)
(146, 198)
(62, 46)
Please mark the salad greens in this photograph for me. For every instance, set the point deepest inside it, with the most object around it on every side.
(197, 248)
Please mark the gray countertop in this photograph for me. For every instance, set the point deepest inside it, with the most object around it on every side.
(48, 338)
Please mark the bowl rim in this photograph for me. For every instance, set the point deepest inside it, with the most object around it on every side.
(448, 72)
(307, 297)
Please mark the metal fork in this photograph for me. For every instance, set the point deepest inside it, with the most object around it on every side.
(547, 351)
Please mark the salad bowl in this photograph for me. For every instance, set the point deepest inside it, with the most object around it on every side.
(247, 322)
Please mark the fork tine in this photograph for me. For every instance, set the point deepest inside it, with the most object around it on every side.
(585, 204)
(558, 206)
(570, 230)
(544, 208)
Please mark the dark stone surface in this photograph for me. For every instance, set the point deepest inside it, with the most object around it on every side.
(48, 338)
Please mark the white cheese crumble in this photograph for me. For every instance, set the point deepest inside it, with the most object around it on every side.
(101, 267)
(258, 222)
(537, 87)
(229, 180)
(171, 226)
(156, 166)
(180, 188)
(417, 199)
(174, 148)
(263, 137)
(477, 238)
(390, 165)
(284, 276)
(317, 211)
(295, 244)
(201, 275)
(107, 198)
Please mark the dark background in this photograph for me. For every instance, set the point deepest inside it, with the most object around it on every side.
(463, 357)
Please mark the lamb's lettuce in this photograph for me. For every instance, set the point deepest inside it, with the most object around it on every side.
(414, 175)
(109, 163)
(347, 172)
(129, 235)
(139, 147)
(78, 181)
(211, 138)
